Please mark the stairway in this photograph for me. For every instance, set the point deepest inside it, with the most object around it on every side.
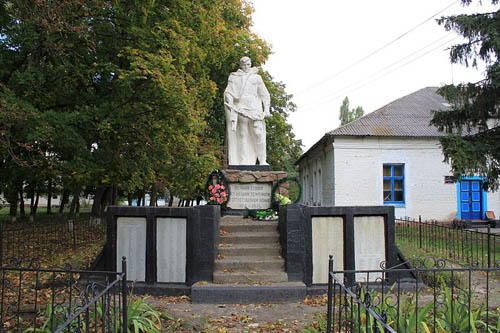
(249, 252)
(249, 267)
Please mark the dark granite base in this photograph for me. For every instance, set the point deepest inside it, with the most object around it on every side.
(245, 294)
(249, 167)
(161, 289)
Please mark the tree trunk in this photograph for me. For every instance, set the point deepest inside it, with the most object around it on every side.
(114, 195)
(129, 198)
(78, 208)
(170, 200)
(22, 212)
(32, 199)
(106, 200)
(64, 199)
(96, 205)
(74, 202)
(154, 193)
(13, 206)
(49, 197)
(35, 206)
(139, 198)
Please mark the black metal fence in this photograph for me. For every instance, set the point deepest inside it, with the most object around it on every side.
(39, 240)
(42, 300)
(430, 298)
(465, 246)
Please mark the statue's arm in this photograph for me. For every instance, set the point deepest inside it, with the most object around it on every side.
(264, 97)
(229, 105)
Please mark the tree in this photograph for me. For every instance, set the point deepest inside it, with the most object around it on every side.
(472, 143)
(112, 97)
(346, 116)
(283, 149)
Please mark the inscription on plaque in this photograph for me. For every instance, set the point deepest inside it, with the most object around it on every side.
(250, 195)
(369, 245)
(131, 243)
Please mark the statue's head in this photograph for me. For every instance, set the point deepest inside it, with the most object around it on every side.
(245, 64)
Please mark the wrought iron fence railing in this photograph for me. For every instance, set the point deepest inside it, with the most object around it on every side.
(465, 246)
(46, 300)
(430, 298)
(33, 240)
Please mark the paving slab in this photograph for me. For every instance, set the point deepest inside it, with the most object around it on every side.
(244, 294)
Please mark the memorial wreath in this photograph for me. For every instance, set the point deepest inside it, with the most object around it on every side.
(217, 189)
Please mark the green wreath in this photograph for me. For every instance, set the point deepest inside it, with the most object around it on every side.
(217, 189)
(276, 202)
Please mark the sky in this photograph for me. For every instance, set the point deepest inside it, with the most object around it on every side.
(373, 52)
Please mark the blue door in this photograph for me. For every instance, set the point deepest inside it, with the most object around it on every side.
(470, 199)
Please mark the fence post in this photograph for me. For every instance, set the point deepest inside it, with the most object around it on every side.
(1, 244)
(489, 248)
(384, 318)
(420, 230)
(74, 236)
(330, 300)
(124, 293)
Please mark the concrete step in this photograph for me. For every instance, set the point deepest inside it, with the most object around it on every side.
(221, 277)
(250, 238)
(228, 218)
(221, 293)
(249, 264)
(271, 249)
(249, 226)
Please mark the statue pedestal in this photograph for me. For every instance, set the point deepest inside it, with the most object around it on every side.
(249, 167)
(252, 189)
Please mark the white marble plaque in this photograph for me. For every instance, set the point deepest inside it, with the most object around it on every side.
(327, 239)
(131, 243)
(369, 245)
(250, 195)
(171, 249)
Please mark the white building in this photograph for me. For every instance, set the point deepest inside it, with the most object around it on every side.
(392, 157)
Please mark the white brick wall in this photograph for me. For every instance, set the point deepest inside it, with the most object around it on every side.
(358, 175)
(320, 190)
(352, 175)
(328, 177)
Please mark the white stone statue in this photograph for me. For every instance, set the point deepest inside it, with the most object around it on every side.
(246, 102)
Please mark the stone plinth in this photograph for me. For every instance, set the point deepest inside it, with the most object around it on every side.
(252, 189)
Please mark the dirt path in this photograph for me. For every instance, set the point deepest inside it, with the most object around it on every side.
(304, 316)
(263, 317)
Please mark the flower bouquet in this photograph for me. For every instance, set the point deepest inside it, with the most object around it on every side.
(282, 199)
(218, 194)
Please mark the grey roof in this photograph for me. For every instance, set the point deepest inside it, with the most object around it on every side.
(407, 116)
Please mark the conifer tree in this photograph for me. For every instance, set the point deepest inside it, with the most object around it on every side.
(472, 143)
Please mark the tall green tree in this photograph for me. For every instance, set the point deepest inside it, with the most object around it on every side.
(122, 96)
(346, 115)
(472, 143)
(283, 148)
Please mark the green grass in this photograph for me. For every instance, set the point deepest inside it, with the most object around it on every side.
(41, 214)
(459, 246)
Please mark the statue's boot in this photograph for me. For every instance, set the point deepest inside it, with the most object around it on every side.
(261, 153)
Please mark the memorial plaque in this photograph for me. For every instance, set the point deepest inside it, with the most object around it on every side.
(131, 243)
(171, 249)
(369, 245)
(327, 239)
(250, 195)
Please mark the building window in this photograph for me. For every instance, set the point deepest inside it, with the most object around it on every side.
(394, 179)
